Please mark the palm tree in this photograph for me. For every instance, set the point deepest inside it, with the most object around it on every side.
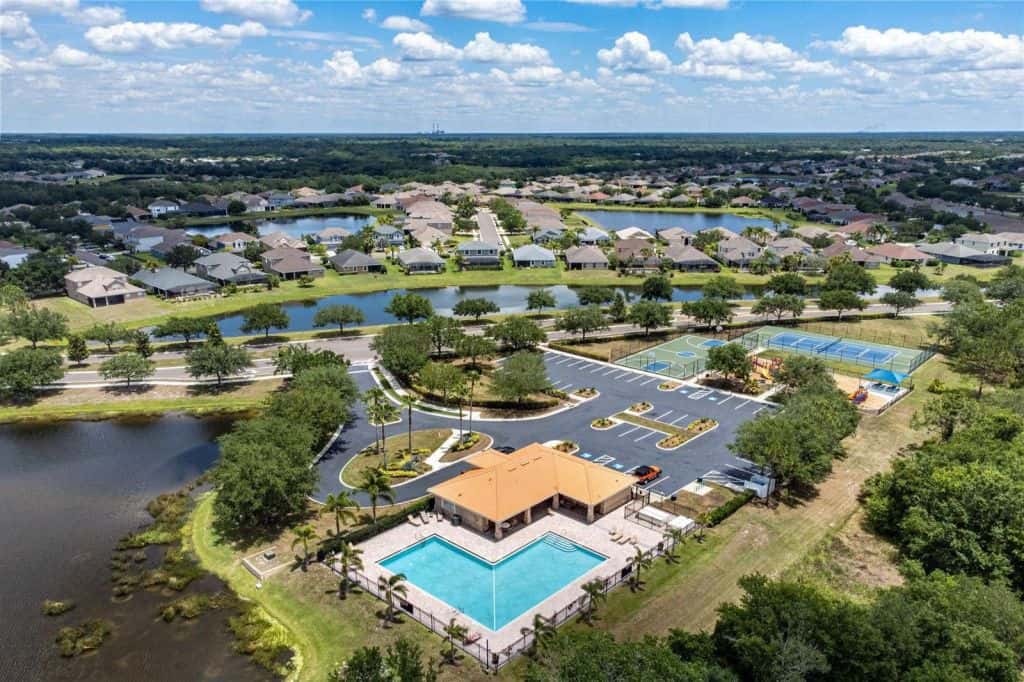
(640, 561)
(390, 587)
(543, 630)
(407, 402)
(454, 631)
(371, 399)
(377, 486)
(343, 507)
(351, 558)
(879, 232)
(386, 412)
(595, 595)
(756, 234)
(460, 400)
(472, 376)
(303, 536)
(702, 521)
(674, 536)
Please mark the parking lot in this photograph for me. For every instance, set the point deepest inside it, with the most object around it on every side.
(623, 447)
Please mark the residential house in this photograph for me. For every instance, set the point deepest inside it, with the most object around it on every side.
(593, 236)
(737, 251)
(627, 250)
(533, 256)
(689, 259)
(633, 233)
(172, 239)
(674, 234)
(479, 254)
(419, 260)
(172, 283)
(586, 258)
(278, 199)
(958, 254)
(427, 236)
(201, 209)
(350, 262)
(278, 240)
(162, 207)
(331, 237)
(899, 252)
(388, 235)
(431, 213)
(227, 268)
(547, 235)
(1002, 243)
(254, 203)
(385, 201)
(145, 238)
(100, 286)
(232, 241)
(289, 263)
(857, 255)
(789, 246)
(743, 202)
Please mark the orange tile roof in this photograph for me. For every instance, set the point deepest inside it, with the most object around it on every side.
(505, 485)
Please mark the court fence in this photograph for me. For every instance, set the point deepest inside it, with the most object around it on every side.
(677, 370)
(832, 348)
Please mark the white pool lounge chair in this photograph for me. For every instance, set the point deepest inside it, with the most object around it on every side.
(413, 520)
(424, 519)
(614, 534)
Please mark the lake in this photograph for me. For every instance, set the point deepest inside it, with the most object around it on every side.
(293, 227)
(511, 298)
(657, 220)
(68, 492)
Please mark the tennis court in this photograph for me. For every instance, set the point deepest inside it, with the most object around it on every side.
(679, 358)
(835, 348)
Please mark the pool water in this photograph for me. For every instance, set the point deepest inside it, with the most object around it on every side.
(493, 594)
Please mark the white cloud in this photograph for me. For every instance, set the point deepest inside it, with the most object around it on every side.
(743, 57)
(278, 12)
(658, 4)
(950, 50)
(95, 15)
(15, 25)
(501, 11)
(133, 36)
(42, 6)
(63, 55)
(344, 69)
(405, 24)
(424, 47)
(530, 75)
(98, 16)
(483, 48)
(369, 14)
(632, 52)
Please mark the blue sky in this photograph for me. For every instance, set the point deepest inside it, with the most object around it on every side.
(509, 66)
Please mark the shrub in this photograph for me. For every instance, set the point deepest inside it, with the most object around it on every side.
(55, 607)
(364, 533)
(73, 641)
(719, 514)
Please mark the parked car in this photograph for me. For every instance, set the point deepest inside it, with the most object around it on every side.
(646, 474)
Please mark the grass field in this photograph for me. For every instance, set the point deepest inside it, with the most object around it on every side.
(99, 403)
(428, 439)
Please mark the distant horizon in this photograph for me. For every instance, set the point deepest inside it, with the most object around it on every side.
(581, 133)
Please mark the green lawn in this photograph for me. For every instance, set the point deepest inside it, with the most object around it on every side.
(427, 439)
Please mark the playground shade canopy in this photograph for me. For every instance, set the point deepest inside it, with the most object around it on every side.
(886, 376)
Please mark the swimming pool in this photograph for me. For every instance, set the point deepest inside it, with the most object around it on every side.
(493, 594)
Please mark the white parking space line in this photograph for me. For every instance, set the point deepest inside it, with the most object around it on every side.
(760, 408)
(604, 459)
(631, 469)
(724, 401)
(697, 395)
(648, 381)
(629, 432)
(661, 416)
(678, 419)
(578, 362)
(657, 482)
(620, 375)
(646, 435)
(745, 402)
(562, 361)
(638, 376)
(597, 369)
(613, 369)
(566, 387)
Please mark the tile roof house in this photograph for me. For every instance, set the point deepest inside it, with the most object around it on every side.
(427, 236)
(288, 263)
(633, 249)
(172, 283)
(479, 253)
(331, 237)
(585, 258)
(533, 256)
(277, 240)
(161, 207)
(633, 233)
(857, 254)
(232, 241)
(388, 235)
(227, 268)
(503, 488)
(548, 234)
(419, 260)
(593, 236)
(99, 287)
(958, 254)
(670, 234)
(898, 252)
(737, 251)
(689, 259)
(350, 262)
(788, 246)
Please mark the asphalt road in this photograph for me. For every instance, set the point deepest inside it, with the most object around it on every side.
(622, 448)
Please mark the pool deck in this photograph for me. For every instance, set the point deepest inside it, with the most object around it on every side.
(595, 536)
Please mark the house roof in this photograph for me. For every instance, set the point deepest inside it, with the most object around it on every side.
(502, 486)
(898, 252)
(477, 245)
(585, 254)
(532, 252)
(418, 256)
(680, 253)
(591, 234)
(350, 258)
(169, 279)
(633, 233)
(231, 237)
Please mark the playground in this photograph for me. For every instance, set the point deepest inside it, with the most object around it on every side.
(853, 351)
(679, 358)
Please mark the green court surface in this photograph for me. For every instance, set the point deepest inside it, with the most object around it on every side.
(679, 358)
(853, 351)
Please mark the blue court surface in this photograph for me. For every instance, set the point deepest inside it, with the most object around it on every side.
(686, 354)
(713, 343)
(857, 351)
(656, 366)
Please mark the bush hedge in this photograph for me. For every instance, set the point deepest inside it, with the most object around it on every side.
(364, 533)
(719, 514)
